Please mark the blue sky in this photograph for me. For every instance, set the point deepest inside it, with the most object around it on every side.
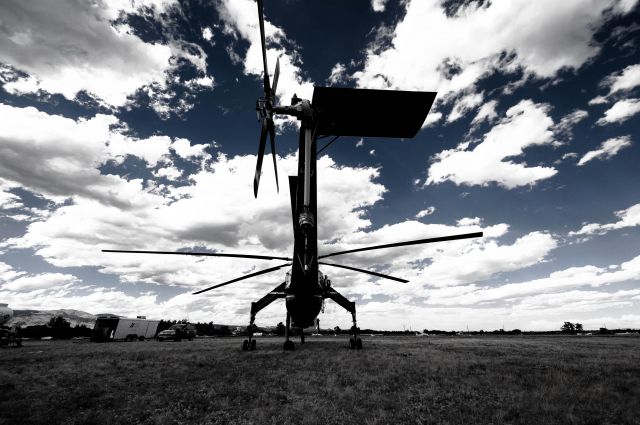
(131, 125)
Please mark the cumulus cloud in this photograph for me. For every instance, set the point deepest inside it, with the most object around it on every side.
(464, 104)
(566, 124)
(629, 217)
(60, 158)
(607, 149)
(72, 48)
(487, 113)
(559, 281)
(525, 124)
(378, 5)
(621, 111)
(625, 80)
(416, 55)
(425, 212)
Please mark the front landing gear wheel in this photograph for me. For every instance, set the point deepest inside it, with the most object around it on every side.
(288, 346)
(359, 344)
(253, 344)
(352, 343)
(245, 345)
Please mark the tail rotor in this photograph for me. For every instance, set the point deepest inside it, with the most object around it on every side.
(264, 108)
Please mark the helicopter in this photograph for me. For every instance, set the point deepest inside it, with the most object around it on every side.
(332, 112)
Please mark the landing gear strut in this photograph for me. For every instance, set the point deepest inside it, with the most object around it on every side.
(355, 341)
(288, 344)
(250, 344)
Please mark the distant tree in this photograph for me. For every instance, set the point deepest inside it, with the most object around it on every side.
(337, 330)
(280, 329)
(59, 328)
(579, 327)
(568, 328)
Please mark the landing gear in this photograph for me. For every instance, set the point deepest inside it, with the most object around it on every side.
(355, 342)
(288, 344)
(250, 344)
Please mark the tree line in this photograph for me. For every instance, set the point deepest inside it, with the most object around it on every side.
(59, 328)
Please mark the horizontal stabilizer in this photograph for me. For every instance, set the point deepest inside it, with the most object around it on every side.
(370, 113)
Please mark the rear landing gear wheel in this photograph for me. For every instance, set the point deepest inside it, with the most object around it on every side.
(253, 345)
(288, 346)
(245, 345)
(352, 343)
(359, 344)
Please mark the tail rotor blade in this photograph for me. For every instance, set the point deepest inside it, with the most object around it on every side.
(276, 75)
(263, 142)
(272, 136)
(267, 86)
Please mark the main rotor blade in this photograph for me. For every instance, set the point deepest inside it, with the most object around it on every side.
(201, 254)
(415, 242)
(267, 86)
(272, 136)
(276, 74)
(269, 270)
(263, 142)
(386, 276)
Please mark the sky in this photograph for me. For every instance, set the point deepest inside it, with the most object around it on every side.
(131, 124)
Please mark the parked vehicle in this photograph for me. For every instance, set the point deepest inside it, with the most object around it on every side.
(109, 327)
(178, 332)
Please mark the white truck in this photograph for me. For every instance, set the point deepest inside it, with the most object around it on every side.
(109, 327)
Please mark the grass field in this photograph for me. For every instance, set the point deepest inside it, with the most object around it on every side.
(414, 380)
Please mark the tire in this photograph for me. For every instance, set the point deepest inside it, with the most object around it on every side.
(245, 345)
(352, 343)
(358, 344)
(288, 346)
(141, 338)
(253, 344)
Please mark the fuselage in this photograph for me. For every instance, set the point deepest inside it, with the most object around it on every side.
(304, 284)
(5, 314)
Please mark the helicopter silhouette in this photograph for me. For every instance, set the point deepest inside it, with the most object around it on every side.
(332, 112)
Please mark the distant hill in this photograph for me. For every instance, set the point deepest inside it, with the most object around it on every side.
(24, 318)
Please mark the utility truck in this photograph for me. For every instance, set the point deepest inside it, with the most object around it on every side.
(109, 327)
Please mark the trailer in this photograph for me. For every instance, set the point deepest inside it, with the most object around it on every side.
(109, 327)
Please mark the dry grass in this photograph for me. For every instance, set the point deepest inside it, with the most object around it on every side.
(418, 380)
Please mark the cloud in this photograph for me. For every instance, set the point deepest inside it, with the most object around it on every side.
(525, 124)
(378, 5)
(464, 105)
(425, 212)
(439, 264)
(608, 149)
(538, 39)
(39, 281)
(207, 34)
(487, 113)
(621, 111)
(566, 124)
(556, 282)
(59, 157)
(629, 217)
(625, 80)
(73, 47)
